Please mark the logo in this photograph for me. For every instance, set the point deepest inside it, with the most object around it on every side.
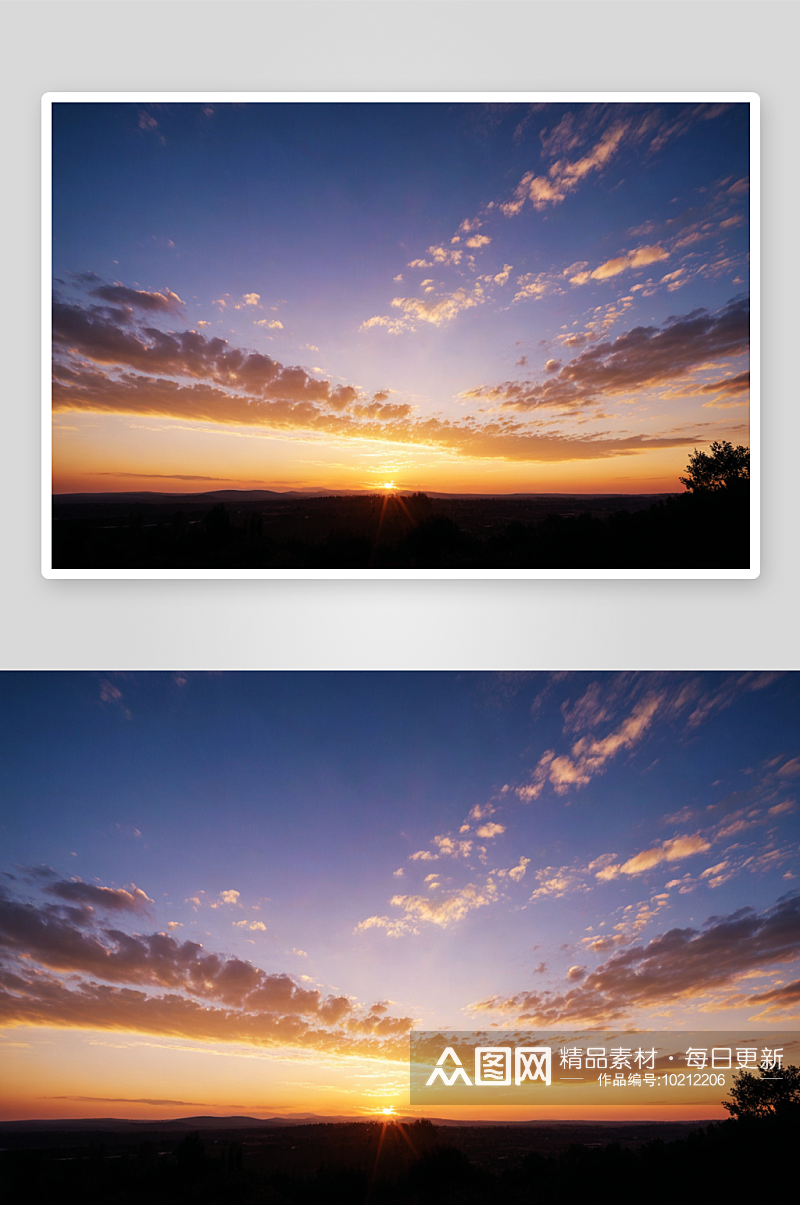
(493, 1066)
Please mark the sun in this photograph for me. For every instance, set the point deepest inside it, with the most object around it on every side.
(389, 1112)
(388, 485)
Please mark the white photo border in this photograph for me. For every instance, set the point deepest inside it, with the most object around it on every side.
(50, 98)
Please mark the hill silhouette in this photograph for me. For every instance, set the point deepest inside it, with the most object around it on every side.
(395, 1163)
(700, 529)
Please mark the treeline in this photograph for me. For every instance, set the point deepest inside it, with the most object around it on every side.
(700, 530)
(417, 1164)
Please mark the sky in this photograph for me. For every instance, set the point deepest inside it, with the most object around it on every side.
(237, 893)
(440, 296)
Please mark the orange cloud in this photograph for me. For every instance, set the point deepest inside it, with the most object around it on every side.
(150, 983)
(110, 366)
(623, 263)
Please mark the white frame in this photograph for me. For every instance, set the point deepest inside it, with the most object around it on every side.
(749, 98)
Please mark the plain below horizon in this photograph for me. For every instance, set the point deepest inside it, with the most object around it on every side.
(322, 492)
(226, 1121)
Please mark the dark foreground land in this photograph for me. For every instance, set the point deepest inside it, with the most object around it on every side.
(259, 530)
(366, 1163)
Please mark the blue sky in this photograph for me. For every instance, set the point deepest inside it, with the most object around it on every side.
(313, 862)
(455, 295)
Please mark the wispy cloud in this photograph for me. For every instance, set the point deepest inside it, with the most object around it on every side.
(681, 964)
(565, 175)
(109, 899)
(638, 359)
(639, 258)
(104, 366)
(442, 910)
(673, 850)
(118, 294)
(589, 755)
(599, 132)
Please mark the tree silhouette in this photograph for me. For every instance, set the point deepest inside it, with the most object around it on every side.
(725, 466)
(770, 1094)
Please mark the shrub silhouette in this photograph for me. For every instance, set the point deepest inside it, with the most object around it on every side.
(769, 1094)
(726, 467)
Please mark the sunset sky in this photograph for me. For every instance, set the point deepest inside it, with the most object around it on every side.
(236, 893)
(439, 296)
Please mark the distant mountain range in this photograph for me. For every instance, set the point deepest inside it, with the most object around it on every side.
(143, 496)
(126, 1125)
(123, 1124)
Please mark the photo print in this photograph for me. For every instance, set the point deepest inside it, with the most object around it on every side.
(391, 336)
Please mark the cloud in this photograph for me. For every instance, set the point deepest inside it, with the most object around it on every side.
(557, 882)
(394, 926)
(627, 706)
(273, 324)
(150, 983)
(490, 830)
(677, 126)
(148, 122)
(165, 302)
(589, 755)
(252, 298)
(673, 850)
(136, 1100)
(686, 964)
(565, 176)
(106, 366)
(443, 911)
(439, 255)
(180, 353)
(440, 311)
(638, 258)
(449, 847)
(112, 695)
(716, 875)
(215, 365)
(638, 359)
(478, 240)
(532, 284)
(111, 899)
(732, 687)
(778, 1000)
(604, 130)
(516, 873)
(736, 384)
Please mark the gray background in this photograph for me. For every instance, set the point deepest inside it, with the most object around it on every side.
(441, 45)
